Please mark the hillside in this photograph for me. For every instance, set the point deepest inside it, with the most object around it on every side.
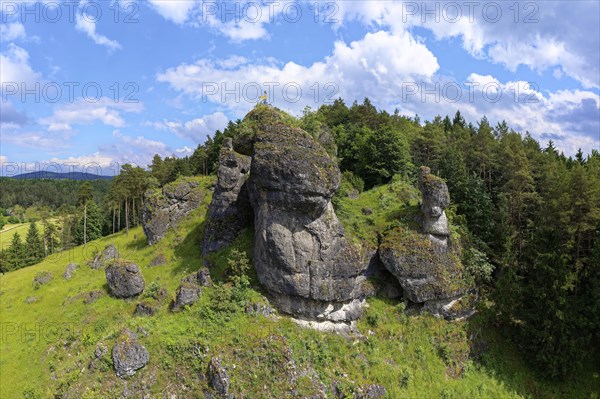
(51, 335)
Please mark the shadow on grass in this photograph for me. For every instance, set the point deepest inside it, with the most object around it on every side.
(189, 251)
(139, 242)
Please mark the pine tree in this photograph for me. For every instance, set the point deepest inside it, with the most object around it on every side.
(15, 256)
(34, 246)
(51, 242)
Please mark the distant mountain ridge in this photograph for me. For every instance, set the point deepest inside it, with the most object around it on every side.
(57, 176)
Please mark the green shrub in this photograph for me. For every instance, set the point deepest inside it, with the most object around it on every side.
(152, 289)
(405, 376)
(477, 266)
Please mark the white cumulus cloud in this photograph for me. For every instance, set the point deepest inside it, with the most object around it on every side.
(105, 111)
(375, 66)
(196, 129)
(87, 24)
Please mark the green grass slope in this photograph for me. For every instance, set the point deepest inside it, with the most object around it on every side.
(7, 232)
(49, 335)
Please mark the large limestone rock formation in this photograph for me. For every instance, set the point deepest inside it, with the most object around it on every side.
(427, 264)
(230, 210)
(301, 254)
(164, 208)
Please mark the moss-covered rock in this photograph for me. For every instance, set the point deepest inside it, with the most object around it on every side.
(425, 271)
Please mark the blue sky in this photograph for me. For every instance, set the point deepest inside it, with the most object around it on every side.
(101, 83)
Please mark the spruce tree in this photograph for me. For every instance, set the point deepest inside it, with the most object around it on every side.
(34, 246)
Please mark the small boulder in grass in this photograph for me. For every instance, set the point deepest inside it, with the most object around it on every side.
(146, 308)
(41, 278)
(372, 391)
(201, 278)
(109, 253)
(161, 295)
(124, 278)
(159, 260)
(187, 294)
(30, 300)
(128, 355)
(71, 267)
(92, 296)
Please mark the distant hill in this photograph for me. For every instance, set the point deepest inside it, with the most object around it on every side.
(57, 176)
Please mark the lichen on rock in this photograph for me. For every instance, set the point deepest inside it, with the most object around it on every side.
(128, 355)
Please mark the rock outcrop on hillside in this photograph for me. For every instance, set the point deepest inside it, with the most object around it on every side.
(427, 264)
(230, 209)
(281, 177)
(163, 209)
(301, 254)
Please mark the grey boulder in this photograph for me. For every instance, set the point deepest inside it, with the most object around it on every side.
(71, 267)
(128, 355)
(124, 279)
(218, 378)
(187, 294)
(109, 253)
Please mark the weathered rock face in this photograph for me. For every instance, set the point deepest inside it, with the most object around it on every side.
(435, 199)
(124, 279)
(230, 209)
(300, 252)
(163, 209)
(427, 264)
(128, 355)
